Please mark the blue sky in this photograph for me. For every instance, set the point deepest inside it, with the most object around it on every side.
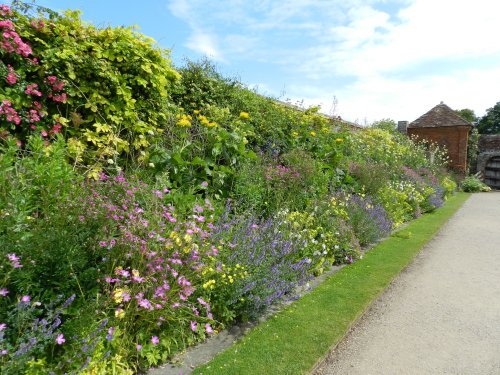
(361, 59)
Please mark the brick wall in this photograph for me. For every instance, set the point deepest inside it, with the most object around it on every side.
(453, 138)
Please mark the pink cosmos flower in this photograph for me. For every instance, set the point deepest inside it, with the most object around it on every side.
(60, 339)
(155, 340)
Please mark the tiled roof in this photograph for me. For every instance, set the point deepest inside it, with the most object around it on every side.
(439, 116)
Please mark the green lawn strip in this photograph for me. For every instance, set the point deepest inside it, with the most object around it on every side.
(292, 341)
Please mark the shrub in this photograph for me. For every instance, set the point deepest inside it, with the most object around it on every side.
(472, 184)
(116, 83)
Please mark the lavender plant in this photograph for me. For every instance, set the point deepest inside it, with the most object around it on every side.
(270, 259)
(369, 220)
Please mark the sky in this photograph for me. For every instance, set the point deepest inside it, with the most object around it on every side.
(363, 60)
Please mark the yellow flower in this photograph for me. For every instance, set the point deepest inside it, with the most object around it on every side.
(339, 140)
(313, 133)
(118, 295)
(209, 284)
(295, 134)
(184, 122)
(244, 115)
(196, 111)
(119, 313)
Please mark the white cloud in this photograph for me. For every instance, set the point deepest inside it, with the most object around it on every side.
(205, 44)
(380, 58)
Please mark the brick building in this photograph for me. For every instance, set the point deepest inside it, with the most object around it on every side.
(443, 126)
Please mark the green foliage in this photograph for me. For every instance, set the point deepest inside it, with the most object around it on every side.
(388, 125)
(467, 114)
(472, 149)
(472, 184)
(118, 84)
(151, 260)
(490, 122)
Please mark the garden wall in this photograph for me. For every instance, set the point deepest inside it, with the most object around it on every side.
(488, 160)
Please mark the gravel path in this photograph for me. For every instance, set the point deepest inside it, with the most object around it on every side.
(442, 314)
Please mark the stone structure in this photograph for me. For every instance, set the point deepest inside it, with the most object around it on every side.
(443, 126)
(488, 160)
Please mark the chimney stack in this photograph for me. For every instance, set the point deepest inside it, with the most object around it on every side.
(402, 125)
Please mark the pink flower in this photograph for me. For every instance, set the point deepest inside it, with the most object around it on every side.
(14, 260)
(32, 89)
(59, 98)
(138, 347)
(56, 129)
(208, 328)
(4, 292)
(25, 299)
(3, 326)
(155, 340)
(60, 339)
(5, 10)
(11, 76)
(194, 325)
(38, 24)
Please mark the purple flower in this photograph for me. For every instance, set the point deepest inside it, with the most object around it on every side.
(138, 347)
(60, 339)
(25, 299)
(111, 332)
(155, 340)
(194, 325)
(3, 326)
(4, 352)
(208, 328)
(14, 260)
(146, 304)
(204, 184)
(4, 292)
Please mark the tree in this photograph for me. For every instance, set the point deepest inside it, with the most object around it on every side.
(385, 124)
(467, 114)
(490, 122)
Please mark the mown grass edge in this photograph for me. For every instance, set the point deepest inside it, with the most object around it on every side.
(295, 340)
